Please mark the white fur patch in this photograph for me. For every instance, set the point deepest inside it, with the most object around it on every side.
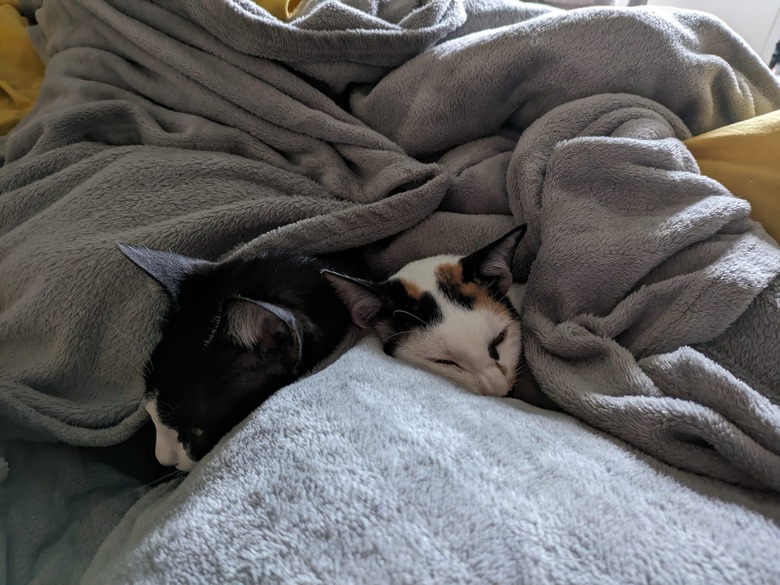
(423, 272)
(167, 447)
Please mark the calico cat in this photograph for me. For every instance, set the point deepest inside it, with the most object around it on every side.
(450, 315)
(235, 332)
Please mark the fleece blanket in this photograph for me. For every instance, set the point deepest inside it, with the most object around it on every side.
(378, 473)
(406, 130)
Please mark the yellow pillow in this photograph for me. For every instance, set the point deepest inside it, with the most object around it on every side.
(21, 70)
(281, 9)
(745, 158)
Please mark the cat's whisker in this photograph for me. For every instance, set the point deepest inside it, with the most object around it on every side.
(175, 474)
(164, 408)
(399, 333)
(410, 315)
(115, 330)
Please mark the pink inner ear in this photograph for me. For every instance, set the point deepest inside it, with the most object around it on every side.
(498, 263)
(498, 270)
(249, 323)
(496, 267)
(364, 310)
(505, 281)
(363, 304)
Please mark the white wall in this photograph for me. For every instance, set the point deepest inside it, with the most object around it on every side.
(757, 21)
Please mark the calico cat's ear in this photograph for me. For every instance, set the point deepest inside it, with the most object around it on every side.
(167, 268)
(493, 263)
(359, 296)
(257, 324)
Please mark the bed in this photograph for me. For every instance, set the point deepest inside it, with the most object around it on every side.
(403, 129)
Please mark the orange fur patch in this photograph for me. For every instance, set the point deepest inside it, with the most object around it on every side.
(451, 275)
(411, 289)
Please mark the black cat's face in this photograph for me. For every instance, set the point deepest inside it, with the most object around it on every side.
(197, 388)
(225, 347)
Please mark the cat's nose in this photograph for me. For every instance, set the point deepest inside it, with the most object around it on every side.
(493, 382)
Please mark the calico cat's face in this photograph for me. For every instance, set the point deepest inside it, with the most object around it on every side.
(447, 314)
(225, 346)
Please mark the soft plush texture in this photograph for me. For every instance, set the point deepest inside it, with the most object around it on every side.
(215, 129)
(613, 344)
(375, 472)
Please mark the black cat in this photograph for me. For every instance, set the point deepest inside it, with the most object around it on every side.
(235, 332)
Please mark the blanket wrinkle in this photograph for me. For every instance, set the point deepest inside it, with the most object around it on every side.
(734, 349)
(714, 275)
(403, 130)
(547, 61)
(331, 41)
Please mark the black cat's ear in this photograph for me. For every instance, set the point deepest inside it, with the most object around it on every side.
(257, 324)
(167, 268)
(493, 263)
(359, 296)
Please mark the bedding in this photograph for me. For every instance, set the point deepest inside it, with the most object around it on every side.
(213, 129)
(741, 157)
(21, 70)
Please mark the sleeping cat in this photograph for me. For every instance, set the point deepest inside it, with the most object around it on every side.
(234, 333)
(447, 314)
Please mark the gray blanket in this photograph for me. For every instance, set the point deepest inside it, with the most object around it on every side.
(410, 129)
(374, 472)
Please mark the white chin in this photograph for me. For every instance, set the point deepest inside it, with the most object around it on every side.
(496, 393)
(185, 465)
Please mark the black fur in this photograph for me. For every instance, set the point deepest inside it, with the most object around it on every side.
(201, 377)
(404, 313)
(474, 264)
(386, 307)
(455, 293)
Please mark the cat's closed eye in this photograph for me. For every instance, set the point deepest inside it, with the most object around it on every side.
(196, 432)
(493, 346)
(446, 362)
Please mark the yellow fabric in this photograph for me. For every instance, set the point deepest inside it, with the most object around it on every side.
(745, 158)
(21, 70)
(281, 9)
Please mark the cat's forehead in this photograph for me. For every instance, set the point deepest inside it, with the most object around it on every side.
(423, 275)
(442, 277)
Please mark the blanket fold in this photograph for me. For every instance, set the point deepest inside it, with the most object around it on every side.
(680, 59)
(673, 262)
